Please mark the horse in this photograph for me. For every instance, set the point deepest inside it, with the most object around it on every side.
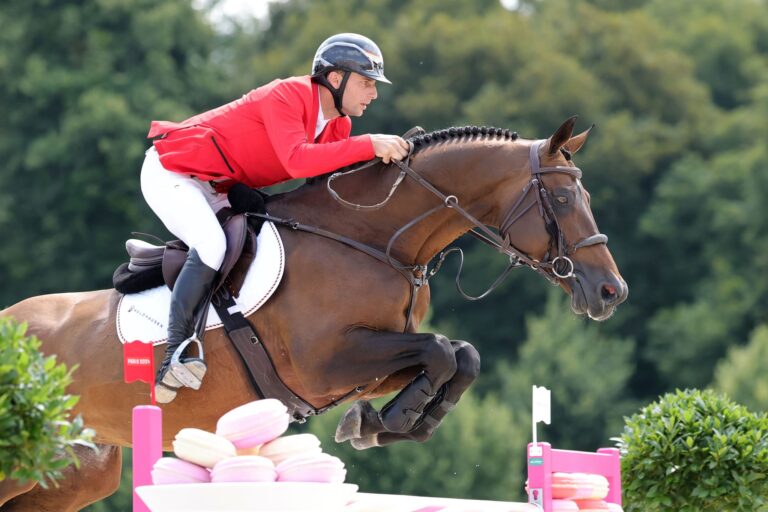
(343, 326)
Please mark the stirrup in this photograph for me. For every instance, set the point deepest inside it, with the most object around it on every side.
(191, 370)
(165, 390)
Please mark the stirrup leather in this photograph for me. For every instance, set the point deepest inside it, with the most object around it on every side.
(191, 370)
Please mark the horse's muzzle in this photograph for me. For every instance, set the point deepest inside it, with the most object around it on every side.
(597, 298)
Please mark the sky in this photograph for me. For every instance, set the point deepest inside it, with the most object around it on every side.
(236, 8)
(259, 8)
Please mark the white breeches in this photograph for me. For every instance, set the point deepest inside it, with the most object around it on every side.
(187, 207)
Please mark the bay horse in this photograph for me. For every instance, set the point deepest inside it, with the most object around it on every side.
(342, 325)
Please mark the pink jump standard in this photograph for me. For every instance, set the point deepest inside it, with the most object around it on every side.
(146, 420)
(147, 448)
(543, 460)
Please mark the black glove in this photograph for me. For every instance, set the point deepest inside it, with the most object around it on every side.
(244, 199)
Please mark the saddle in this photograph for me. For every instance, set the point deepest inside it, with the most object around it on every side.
(154, 265)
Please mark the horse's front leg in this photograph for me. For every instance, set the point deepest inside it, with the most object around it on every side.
(368, 356)
(468, 368)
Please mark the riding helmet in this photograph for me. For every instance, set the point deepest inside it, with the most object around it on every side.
(347, 52)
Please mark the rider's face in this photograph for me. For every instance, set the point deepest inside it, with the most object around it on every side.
(358, 94)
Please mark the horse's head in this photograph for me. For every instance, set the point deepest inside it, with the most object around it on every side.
(550, 222)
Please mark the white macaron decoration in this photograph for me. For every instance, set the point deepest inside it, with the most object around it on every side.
(201, 447)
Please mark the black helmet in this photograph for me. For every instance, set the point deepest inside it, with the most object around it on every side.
(348, 53)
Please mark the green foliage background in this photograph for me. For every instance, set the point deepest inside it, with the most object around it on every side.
(676, 169)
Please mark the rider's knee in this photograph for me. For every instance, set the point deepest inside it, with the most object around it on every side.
(212, 249)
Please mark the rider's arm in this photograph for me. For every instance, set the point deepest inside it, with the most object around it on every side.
(301, 158)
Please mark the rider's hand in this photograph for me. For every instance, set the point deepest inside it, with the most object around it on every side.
(389, 147)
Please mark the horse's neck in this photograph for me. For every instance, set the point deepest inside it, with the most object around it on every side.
(472, 171)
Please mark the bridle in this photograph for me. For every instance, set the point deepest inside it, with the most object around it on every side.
(556, 264)
(556, 260)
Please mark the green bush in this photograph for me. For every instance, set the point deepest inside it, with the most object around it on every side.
(36, 435)
(694, 451)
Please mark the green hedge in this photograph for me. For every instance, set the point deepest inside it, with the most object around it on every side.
(36, 435)
(692, 451)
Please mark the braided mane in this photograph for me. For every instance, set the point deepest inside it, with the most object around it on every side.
(458, 132)
(428, 139)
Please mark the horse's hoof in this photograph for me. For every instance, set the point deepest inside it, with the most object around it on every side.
(366, 442)
(350, 423)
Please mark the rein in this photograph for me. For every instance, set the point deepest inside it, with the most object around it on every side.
(558, 268)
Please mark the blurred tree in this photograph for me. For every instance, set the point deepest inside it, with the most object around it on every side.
(741, 375)
(78, 86)
(718, 299)
(567, 356)
(730, 61)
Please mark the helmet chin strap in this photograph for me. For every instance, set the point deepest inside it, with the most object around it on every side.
(337, 94)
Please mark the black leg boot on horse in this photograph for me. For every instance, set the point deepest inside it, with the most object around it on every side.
(187, 300)
(401, 414)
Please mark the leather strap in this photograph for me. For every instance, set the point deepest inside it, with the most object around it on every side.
(266, 382)
(257, 362)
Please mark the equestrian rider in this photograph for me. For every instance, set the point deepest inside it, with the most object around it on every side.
(297, 127)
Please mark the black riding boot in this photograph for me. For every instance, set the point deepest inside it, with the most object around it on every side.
(192, 286)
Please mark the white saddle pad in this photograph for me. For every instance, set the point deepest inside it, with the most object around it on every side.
(144, 315)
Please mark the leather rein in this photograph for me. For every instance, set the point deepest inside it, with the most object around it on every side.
(555, 266)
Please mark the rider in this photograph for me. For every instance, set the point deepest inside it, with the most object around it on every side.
(297, 127)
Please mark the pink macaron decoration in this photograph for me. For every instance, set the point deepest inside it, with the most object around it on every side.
(599, 486)
(170, 470)
(313, 467)
(575, 486)
(564, 506)
(244, 468)
(592, 505)
(254, 423)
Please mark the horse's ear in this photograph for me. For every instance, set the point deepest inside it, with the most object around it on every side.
(575, 143)
(562, 135)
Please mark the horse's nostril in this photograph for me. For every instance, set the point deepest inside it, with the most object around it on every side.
(608, 292)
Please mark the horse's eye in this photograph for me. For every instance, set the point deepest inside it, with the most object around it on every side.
(561, 199)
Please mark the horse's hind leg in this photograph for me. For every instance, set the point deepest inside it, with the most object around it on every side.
(97, 477)
(467, 370)
(378, 355)
(9, 489)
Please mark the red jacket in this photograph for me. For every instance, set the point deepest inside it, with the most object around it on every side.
(263, 138)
